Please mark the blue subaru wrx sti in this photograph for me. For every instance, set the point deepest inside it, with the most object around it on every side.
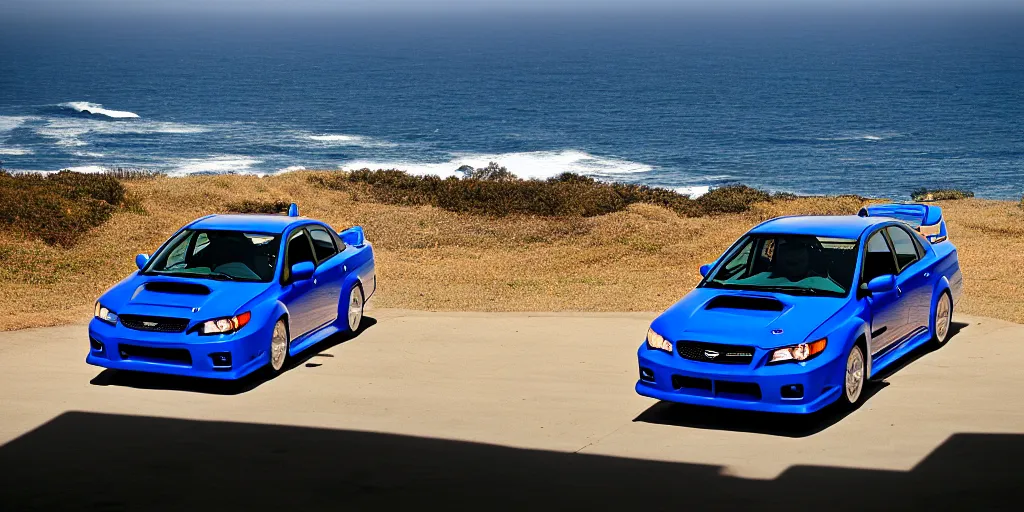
(800, 311)
(229, 294)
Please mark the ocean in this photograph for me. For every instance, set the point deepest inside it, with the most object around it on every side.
(871, 105)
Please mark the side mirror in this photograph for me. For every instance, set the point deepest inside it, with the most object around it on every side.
(882, 284)
(705, 268)
(141, 260)
(302, 270)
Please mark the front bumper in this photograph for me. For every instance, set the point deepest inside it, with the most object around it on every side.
(121, 348)
(752, 387)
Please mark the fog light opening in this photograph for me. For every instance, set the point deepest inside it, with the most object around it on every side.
(221, 360)
(96, 344)
(792, 391)
(646, 374)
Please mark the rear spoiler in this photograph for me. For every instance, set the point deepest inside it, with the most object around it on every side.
(926, 219)
(353, 236)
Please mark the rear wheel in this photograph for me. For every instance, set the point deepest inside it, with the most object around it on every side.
(355, 308)
(855, 376)
(942, 319)
(279, 346)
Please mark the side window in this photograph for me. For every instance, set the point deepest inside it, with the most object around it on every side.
(878, 259)
(323, 243)
(903, 244)
(298, 251)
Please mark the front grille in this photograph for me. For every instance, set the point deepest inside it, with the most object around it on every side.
(157, 355)
(714, 352)
(154, 323)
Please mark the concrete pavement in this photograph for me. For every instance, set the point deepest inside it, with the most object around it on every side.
(530, 388)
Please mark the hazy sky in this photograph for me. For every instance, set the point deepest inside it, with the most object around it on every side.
(242, 6)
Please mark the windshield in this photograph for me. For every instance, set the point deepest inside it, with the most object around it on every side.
(792, 264)
(213, 254)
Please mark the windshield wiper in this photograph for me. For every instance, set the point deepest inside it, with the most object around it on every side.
(788, 289)
(210, 275)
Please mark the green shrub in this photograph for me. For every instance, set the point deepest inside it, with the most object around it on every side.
(494, 191)
(923, 194)
(255, 206)
(58, 208)
(493, 172)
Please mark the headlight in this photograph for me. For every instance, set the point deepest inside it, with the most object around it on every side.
(801, 352)
(655, 340)
(224, 325)
(100, 311)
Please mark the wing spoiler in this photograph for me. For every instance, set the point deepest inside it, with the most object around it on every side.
(926, 219)
(353, 236)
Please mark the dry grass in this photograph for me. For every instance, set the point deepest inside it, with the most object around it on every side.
(642, 258)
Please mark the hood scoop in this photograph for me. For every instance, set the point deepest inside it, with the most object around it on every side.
(744, 302)
(177, 288)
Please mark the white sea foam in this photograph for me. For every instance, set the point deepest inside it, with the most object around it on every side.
(693, 191)
(292, 168)
(537, 164)
(88, 154)
(97, 109)
(87, 169)
(68, 132)
(341, 139)
(8, 123)
(13, 151)
(214, 165)
(868, 137)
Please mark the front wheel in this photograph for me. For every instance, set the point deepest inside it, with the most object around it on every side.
(278, 346)
(853, 382)
(355, 308)
(942, 319)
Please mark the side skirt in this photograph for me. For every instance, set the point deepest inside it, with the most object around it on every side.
(312, 338)
(918, 337)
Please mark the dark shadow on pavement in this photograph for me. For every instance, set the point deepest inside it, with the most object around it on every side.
(142, 380)
(89, 461)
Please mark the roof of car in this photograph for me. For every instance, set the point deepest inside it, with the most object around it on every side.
(249, 222)
(839, 226)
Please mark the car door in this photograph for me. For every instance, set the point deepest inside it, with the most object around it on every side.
(297, 295)
(888, 312)
(329, 275)
(911, 278)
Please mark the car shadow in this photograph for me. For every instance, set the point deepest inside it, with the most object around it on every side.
(92, 461)
(785, 425)
(142, 380)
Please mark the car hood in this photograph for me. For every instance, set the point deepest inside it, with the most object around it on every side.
(180, 297)
(756, 319)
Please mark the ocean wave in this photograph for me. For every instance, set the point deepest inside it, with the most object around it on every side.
(341, 139)
(536, 164)
(88, 169)
(8, 123)
(293, 168)
(15, 151)
(69, 132)
(88, 154)
(225, 164)
(85, 107)
(867, 137)
(693, 191)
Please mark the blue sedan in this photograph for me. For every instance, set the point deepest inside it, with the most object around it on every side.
(800, 311)
(230, 294)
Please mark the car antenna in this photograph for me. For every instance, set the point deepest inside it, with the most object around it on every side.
(293, 210)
